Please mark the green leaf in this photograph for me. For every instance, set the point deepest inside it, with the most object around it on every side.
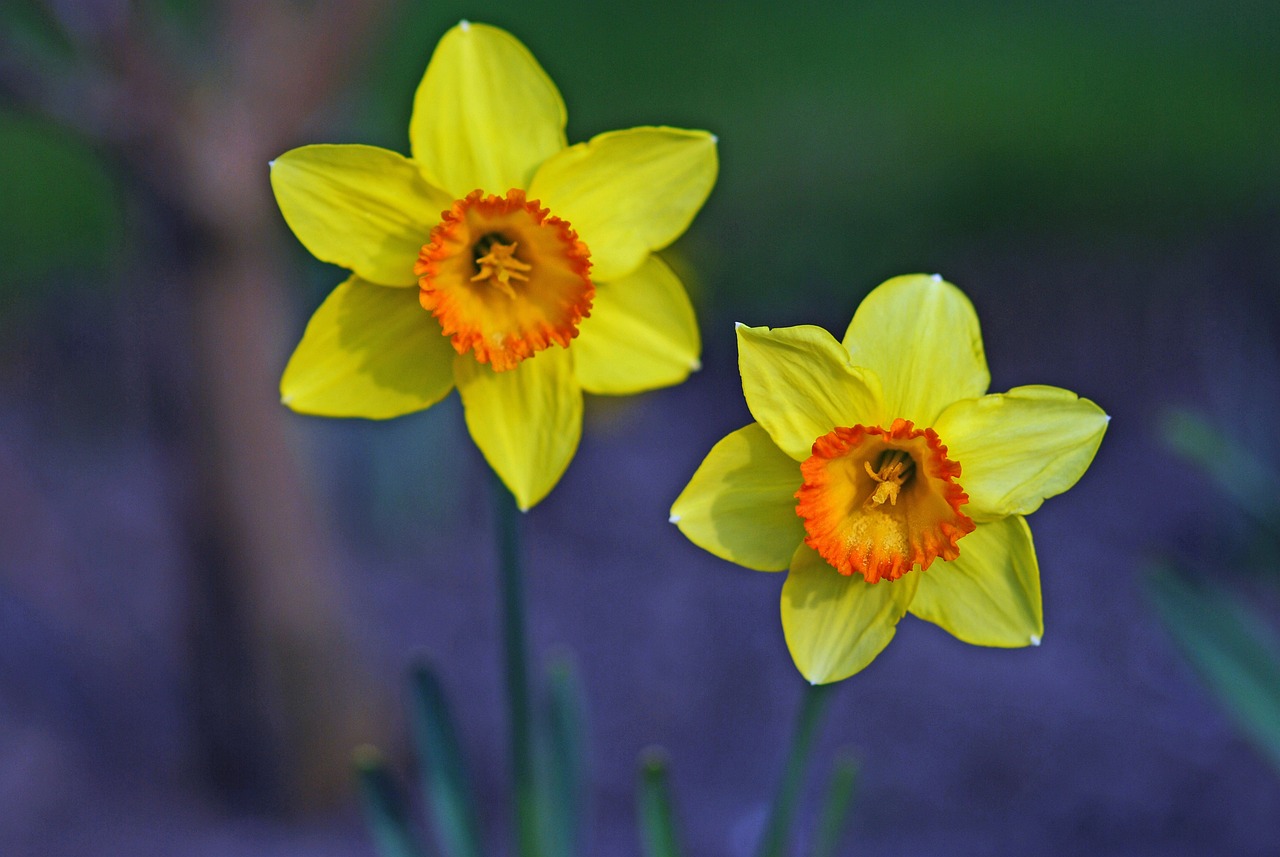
(774, 842)
(836, 806)
(657, 821)
(440, 762)
(566, 767)
(1243, 477)
(384, 807)
(1236, 655)
(62, 207)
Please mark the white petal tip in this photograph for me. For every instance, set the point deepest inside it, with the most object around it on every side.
(674, 519)
(464, 25)
(284, 400)
(695, 365)
(1035, 639)
(715, 139)
(737, 325)
(1108, 417)
(812, 683)
(937, 278)
(271, 164)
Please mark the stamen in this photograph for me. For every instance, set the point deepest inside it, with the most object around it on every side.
(501, 267)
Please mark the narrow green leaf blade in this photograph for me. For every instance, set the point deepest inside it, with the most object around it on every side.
(385, 810)
(657, 817)
(1235, 653)
(566, 763)
(1239, 473)
(440, 761)
(835, 808)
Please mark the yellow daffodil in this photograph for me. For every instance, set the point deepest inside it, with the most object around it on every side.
(492, 243)
(881, 475)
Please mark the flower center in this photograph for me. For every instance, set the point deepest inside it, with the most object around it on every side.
(499, 265)
(882, 501)
(505, 278)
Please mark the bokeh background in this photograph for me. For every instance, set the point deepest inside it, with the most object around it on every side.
(207, 601)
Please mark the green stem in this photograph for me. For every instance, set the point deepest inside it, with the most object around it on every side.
(510, 561)
(774, 843)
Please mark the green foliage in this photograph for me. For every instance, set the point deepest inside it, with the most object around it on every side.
(384, 807)
(441, 767)
(888, 136)
(1234, 651)
(657, 817)
(61, 207)
(835, 809)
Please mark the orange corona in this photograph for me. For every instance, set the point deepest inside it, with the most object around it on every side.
(880, 502)
(505, 278)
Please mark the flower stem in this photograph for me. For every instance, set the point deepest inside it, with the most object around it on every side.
(774, 843)
(507, 521)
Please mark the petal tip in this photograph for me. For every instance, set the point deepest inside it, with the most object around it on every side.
(695, 365)
(937, 278)
(715, 139)
(737, 325)
(674, 519)
(1035, 639)
(271, 164)
(464, 25)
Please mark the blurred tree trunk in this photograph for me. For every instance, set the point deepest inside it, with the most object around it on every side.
(280, 694)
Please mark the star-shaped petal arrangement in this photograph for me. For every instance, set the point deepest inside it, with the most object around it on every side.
(881, 475)
(496, 259)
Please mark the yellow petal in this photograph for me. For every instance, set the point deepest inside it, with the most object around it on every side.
(836, 625)
(486, 114)
(361, 207)
(368, 351)
(641, 334)
(629, 192)
(920, 335)
(799, 385)
(1017, 448)
(990, 594)
(740, 504)
(526, 421)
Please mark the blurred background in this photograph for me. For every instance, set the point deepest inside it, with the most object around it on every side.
(206, 601)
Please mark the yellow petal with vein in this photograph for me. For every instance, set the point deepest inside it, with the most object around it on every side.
(990, 594)
(368, 351)
(641, 334)
(361, 207)
(799, 385)
(526, 421)
(485, 114)
(1017, 448)
(920, 335)
(629, 192)
(836, 625)
(740, 504)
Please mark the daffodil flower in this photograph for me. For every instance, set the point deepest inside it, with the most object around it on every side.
(496, 259)
(881, 475)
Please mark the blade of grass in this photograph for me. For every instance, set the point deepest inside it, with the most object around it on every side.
(835, 809)
(566, 760)
(384, 806)
(1238, 473)
(440, 761)
(657, 817)
(1232, 650)
(511, 567)
(778, 832)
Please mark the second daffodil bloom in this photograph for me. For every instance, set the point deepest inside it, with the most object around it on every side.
(884, 479)
(496, 259)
